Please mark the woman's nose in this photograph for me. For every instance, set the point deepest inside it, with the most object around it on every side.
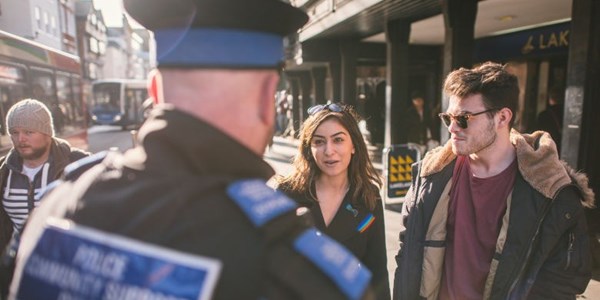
(328, 148)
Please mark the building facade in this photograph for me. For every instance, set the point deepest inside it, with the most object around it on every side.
(91, 40)
(68, 28)
(37, 20)
(127, 52)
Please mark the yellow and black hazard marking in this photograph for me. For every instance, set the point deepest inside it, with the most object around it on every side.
(398, 173)
(400, 168)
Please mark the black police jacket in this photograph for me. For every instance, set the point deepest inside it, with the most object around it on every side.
(359, 229)
(171, 191)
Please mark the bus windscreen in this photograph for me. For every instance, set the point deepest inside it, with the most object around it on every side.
(106, 104)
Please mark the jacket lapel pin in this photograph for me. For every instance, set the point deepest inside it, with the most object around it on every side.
(351, 209)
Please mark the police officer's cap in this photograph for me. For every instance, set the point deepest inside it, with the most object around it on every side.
(218, 33)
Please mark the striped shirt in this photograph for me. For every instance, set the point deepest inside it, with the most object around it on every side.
(15, 199)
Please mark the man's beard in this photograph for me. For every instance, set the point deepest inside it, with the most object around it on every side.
(486, 143)
(34, 154)
(484, 140)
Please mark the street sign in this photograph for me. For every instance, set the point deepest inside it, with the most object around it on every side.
(397, 169)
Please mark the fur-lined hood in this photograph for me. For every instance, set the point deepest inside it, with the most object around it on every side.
(538, 164)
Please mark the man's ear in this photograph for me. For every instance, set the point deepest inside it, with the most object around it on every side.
(267, 99)
(155, 86)
(505, 115)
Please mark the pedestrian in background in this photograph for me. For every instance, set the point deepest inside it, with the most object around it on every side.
(282, 113)
(550, 120)
(196, 185)
(493, 214)
(335, 179)
(36, 159)
(417, 124)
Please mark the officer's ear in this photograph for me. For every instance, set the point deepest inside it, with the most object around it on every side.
(155, 86)
(267, 99)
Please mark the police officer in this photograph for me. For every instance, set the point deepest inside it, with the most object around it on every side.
(196, 184)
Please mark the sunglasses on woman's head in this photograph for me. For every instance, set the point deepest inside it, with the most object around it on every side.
(462, 120)
(334, 107)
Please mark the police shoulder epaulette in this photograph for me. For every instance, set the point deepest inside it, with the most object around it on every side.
(259, 202)
(335, 261)
(76, 168)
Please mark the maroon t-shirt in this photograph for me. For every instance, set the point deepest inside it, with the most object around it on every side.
(475, 213)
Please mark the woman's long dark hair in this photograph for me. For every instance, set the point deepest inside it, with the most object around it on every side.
(362, 176)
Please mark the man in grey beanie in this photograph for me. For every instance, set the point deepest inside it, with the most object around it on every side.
(36, 159)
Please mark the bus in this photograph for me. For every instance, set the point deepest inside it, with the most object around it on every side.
(118, 102)
(32, 70)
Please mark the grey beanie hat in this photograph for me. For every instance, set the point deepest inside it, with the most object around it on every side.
(30, 114)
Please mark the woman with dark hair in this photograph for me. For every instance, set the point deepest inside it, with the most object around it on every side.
(335, 179)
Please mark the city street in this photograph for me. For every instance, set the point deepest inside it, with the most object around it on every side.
(411, 70)
(279, 156)
(104, 137)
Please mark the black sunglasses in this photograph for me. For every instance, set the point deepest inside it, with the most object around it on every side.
(462, 119)
(334, 107)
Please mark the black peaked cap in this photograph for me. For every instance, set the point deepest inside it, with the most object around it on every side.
(271, 16)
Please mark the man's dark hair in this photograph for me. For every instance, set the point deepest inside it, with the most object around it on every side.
(416, 94)
(557, 93)
(497, 86)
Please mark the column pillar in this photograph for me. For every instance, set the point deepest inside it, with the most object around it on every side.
(336, 81)
(296, 104)
(304, 87)
(396, 95)
(582, 90)
(580, 140)
(318, 75)
(459, 21)
(348, 54)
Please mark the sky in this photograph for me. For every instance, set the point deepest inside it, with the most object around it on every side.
(111, 11)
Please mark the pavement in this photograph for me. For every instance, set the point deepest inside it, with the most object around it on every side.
(282, 152)
(593, 289)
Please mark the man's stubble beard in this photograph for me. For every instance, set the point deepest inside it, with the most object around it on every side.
(480, 145)
(36, 153)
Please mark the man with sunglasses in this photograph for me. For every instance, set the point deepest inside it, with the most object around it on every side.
(492, 214)
(187, 213)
